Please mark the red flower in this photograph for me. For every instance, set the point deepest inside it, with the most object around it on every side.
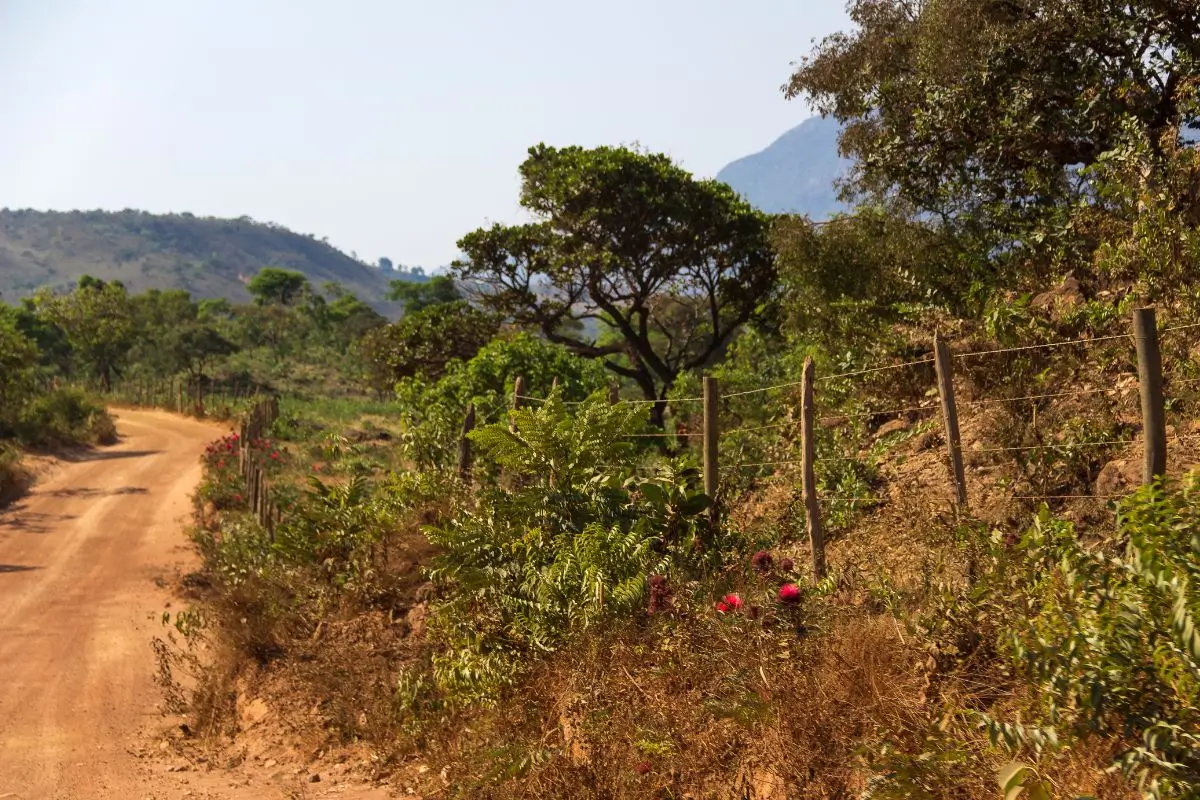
(722, 607)
(237, 498)
(789, 593)
(274, 456)
(643, 768)
(732, 601)
(221, 464)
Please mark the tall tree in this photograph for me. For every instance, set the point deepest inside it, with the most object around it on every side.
(981, 111)
(631, 241)
(98, 321)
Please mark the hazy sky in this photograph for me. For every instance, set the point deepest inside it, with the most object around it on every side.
(393, 128)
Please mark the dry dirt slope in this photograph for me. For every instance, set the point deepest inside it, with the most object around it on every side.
(84, 560)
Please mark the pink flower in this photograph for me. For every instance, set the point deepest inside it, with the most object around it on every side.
(274, 456)
(722, 607)
(789, 593)
(732, 601)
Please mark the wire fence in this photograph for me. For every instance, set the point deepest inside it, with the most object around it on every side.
(1148, 387)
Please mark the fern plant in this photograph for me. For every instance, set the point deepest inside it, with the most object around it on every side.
(572, 546)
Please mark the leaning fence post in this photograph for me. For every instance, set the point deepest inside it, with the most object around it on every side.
(464, 445)
(1154, 423)
(945, 380)
(812, 510)
(711, 432)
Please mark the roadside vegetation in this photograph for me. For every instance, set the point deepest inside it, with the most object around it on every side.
(566, 613)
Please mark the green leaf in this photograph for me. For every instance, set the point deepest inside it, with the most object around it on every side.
(1012, 779)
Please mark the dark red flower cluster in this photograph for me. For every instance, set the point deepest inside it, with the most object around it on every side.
(215, 452)
(660, 594)
(762, 561)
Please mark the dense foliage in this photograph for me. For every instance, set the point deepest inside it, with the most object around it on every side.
(577, 541)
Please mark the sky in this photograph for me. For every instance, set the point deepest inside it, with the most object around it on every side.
(391, 127)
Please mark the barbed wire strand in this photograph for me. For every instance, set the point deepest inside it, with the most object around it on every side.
(1043, 396)
(762, 427)
(1181, 327)
(871, 370)
(619, 402)
(865, 414)
(660, 435)
(1050, 446)
(1061, 343)
(1067, 496)
(763, 389)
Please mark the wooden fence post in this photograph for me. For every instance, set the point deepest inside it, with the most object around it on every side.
(518, 394)
(464, 445)
(945, 380)
(1154, 423)
(711, 433)
(812, 510)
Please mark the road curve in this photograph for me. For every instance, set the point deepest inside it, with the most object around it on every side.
(83, 559)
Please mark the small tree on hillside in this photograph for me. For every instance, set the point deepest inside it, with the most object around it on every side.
(419, 295)
(629, 240)
(274, 286)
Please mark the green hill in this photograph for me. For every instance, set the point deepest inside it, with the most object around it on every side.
(206, 256)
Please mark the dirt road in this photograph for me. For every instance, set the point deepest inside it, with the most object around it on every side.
(82, 558)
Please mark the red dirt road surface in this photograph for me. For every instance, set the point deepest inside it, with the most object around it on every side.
(86, 562)
(81, 560)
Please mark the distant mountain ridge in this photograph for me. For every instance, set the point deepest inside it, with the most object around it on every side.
(795, 174)
(208, 257)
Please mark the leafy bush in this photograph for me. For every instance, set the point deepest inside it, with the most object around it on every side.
(12, 477)
(65, 416)
(424, 342)
(434, 412)
(573, 544)
(1111, 643)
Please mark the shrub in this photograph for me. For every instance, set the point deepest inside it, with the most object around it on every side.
(573, 544)
(435, 411)
(1111, 644)
(13, 478)
(65, 416)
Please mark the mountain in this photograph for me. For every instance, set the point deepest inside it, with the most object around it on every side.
(206, 256)
(795, 174)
